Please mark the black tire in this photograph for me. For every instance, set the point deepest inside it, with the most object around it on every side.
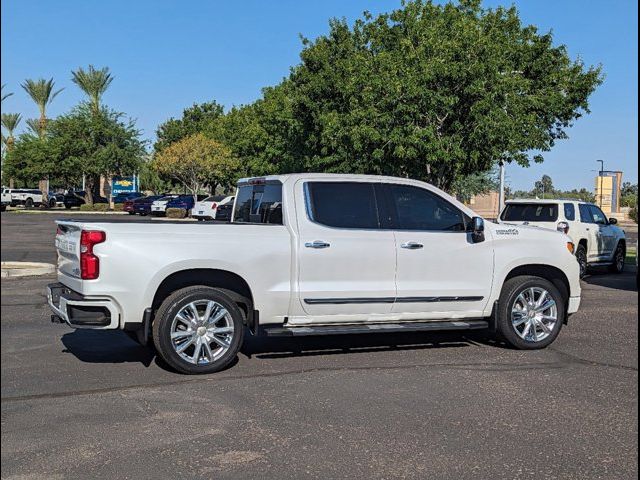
(581, 257)
(28, 203)
(172, 306)
(52, 203)
(67, 206)
(131, 213)
(619, 257)
(510, 291)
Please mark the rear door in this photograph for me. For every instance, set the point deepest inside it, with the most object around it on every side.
(441, 272)
(606, 233)
(347, 262)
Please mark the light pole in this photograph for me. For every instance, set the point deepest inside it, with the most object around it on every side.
(601, 180)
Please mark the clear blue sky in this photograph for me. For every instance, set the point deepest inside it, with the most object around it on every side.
(166, 55)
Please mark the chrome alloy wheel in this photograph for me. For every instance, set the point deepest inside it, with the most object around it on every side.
(201, 332)
(534, 314)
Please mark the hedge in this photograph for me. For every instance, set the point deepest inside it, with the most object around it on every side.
(176, 213)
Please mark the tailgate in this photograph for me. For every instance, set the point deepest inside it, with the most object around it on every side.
(68, 248)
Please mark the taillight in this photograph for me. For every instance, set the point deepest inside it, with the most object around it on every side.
(214, 205)
(89, 263)
(563, 227)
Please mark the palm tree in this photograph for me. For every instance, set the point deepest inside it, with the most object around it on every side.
(41, 92)
(93, 82)
(35, 126)
(10, 122)
(5, 95)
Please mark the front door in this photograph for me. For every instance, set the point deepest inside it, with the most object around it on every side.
(607, 237)
(347, 263)
(441, 273)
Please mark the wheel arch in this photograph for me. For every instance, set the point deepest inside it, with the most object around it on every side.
(231, 283)
(548, 272)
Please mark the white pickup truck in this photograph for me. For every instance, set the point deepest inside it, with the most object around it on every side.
(314, 254)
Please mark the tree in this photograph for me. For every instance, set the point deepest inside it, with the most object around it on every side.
(475, 184)
(31, 159)
(93, 82)
(42, 93)
(195, 119)
(544, 187)
(10, 122)
(629, 195)
(149, 179)
(196, 162)
(5, 95)
(94, 144)
(435, 92)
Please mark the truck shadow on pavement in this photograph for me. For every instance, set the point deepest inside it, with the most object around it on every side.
(286, 347)
(94, 346)
(625, 281)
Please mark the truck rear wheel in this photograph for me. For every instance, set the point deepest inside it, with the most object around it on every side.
(28, 203)
(198, 330)
(619, 258)
(531, 312)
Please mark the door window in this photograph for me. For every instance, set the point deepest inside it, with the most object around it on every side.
(598, 216)
(569, 211)
(259, 203)
(419, 209)
(342, 204)
(585, 214)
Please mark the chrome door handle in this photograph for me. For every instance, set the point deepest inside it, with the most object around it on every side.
(412, 245)
(317, 244)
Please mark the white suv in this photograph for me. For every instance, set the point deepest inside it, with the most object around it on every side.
(599, 241)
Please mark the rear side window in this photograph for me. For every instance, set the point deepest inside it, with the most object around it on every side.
(259, 203)
(570, 211)
(585, 214)
(419, 209)
(342, 204)
(530, 212)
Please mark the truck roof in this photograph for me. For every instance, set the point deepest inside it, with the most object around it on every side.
(336, 176)
(545, 200)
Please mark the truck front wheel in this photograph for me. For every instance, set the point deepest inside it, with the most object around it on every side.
(531, 312)
(198, 330)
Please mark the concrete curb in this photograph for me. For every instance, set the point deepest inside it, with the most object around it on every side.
(25, 269)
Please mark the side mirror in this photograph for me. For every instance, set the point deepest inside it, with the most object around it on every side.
(613, 221)
(477, 229)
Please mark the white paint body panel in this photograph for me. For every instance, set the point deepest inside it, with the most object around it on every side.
(281, 272)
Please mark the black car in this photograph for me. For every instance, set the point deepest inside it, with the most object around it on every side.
(124, 196)
(75, 199)
(223, 213)
(142, 206)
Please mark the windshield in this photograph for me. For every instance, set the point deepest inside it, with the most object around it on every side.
(530, 212)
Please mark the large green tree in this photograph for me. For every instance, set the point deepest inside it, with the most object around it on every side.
(435, 92)
(82, 142)
(199, 118)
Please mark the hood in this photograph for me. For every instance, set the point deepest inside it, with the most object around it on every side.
(513, 232)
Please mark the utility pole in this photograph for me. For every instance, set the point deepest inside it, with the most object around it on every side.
(501, 199)
(601, 181)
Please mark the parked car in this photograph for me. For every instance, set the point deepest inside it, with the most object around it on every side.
(127, 206)
(56, 199)
(207, 209)
(185, 202)
(124, 196)
(26, 197)
(6, 199)
(159, 206)
(599, 241)
(224, 212)
(142, 206)
(76, 198)
(314, 254)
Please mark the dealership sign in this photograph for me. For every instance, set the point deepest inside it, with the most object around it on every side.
(124, 184)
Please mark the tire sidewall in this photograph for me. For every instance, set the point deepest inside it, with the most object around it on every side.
(162, 328)
(619, 249)
(512, 289)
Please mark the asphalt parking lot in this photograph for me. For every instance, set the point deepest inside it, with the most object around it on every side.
(83, 404)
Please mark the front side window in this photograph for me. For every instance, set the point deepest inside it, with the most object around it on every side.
(598, 216)
(259, 203)
(342, 204)
(570, 211)
(419, 209)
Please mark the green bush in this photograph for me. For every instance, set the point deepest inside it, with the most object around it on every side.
(118, 207)
(633, 214)
(176, 213)
(96, 207)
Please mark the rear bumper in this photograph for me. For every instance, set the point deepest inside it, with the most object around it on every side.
(78, 311)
